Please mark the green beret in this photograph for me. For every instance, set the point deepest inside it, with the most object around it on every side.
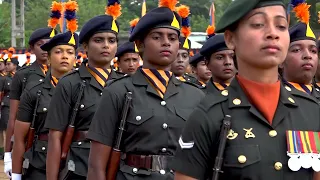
(240, 8)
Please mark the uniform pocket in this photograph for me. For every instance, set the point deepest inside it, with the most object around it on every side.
(86, 104)
(238, 156)
(139, 117)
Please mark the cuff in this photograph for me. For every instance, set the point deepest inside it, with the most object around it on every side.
(16, 176)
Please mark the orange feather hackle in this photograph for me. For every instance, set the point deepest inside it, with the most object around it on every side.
(183, 11)
(114, 10)
(56, 6)
(84, 56)
(71, 5)
(302, 12)
(72, 25)
(191, 53)
(171, 4)
(186, 31)
(4, 52)
(11, 50)
(210, 30)
(134, 22)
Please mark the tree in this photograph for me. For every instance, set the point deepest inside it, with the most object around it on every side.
(5, 25)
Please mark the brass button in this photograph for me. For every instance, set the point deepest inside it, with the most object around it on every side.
(225, 92)
(163, 103)
(82, 106)
(44, 109)
(236, 101)
(273, 133)
(288, 88)
(164, 125)
(79, 143)
(278, 166)
(43, 148)
(242, 159)
(291, 100)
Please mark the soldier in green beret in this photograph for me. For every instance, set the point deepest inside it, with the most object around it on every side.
(261, 119)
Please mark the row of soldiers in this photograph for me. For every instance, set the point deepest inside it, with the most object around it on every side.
(159, 123)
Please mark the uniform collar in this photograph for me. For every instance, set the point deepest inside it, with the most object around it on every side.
(139, 79)
(85, 74)
(236, 92)
(36, 67)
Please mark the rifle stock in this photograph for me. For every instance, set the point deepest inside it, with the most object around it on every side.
(222, 145)
(68, 136)
(32, 131)
(67, 142)
(30, 138)
(113, 164)
(115, 156)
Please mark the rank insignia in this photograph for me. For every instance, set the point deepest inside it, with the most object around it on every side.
(232, 135)
(249, 133)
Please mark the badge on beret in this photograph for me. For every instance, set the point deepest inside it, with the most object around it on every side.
(303, 150)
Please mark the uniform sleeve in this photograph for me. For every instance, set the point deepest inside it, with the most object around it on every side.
(16, 87)
(104, 123)
(194, 155)
(2, 81)
(60, 107)
(26, 107)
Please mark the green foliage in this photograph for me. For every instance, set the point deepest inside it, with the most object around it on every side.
(5, 25)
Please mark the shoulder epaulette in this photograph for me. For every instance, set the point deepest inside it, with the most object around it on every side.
(23, 68)
(214, 99)
(118, 79)
(33, 84)
(193, 84)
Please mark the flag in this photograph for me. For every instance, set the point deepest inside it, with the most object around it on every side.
(144, 8)
(211, 13)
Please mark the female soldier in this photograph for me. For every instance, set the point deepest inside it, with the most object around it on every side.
(76, 96)
(160, 105)
(61, 56)
(219, 59)
(200, 69)
(262, 110)
(301, 63)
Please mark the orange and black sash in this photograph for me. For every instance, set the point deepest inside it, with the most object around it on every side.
(158, 78)
(3, 74)
(307, 88)
(54, 81)
(181, 78)
(202, 83)
(101, 75)
(221, 86)
(11, 74)
(44, 68)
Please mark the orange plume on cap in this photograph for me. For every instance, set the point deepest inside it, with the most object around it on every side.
(302, 12)
(11, 50)
(210, 30)
(134, 22)
(183, 11)
(191, 53)
(171, 4)
(4, 52)
(114, 10)
(84, 56)
(56, 9)
(72, 23)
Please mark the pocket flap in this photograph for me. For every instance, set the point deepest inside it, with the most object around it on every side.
(41, 146)
(134, 171)
(139, 117)
(184, 113)
(241, 156)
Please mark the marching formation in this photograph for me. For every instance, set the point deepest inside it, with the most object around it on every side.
(246, 107)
